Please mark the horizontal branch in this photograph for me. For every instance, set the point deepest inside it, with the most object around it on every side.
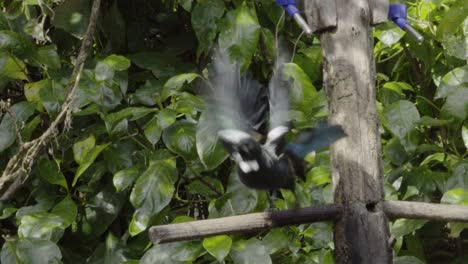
(428, 211)
(241, 223)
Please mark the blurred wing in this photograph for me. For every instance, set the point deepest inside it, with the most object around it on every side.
(278, 90)
(314, 139)
(237, 102)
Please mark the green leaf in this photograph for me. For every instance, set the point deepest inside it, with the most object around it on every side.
(250, 251)
(11, 67)
(149, 93)
(277, 239)
(410, 192)
(100, 211)
(112, 251)
(186, 4)
(319, 175)
(103, 71)
(81, 149)
(153, 131)
(395, 152)
(398, 87)
(31, 251)
(320, 234)
(124, 179)
(85, 152)
(210, 152)
(166, 117)
(178, 81)
(205, 17)
(238, 199)
(48, 94)
(310, 60)
(188, 104)
(388, 33)
(457, 196)
(218, 246)
(407, 260)
(452, 81)
(401, 117)
(459, 178)
(132, 113)
(180, 138)
(50, 171)
(464, 133)
(152, 192)
(7, 212)
(41, 225)
(73, 17)
(48, 56)
(452, 19)
(439, 157)
(12, 120)
(403, 227)
(120, 155)
(67, 210)
(161, 254)
(239, 34)
(429, 121)
(117, 62)
(457, 104)
(201, 188)
(187, 251)
(162, 65)
(106, 68)
(15, 42)
(302, 92)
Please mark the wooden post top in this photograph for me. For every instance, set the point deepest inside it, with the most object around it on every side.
(321, 15)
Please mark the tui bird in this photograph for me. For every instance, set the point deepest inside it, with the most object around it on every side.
(241, 108)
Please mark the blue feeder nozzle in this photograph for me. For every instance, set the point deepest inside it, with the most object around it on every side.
(397, 13)
(292, 10)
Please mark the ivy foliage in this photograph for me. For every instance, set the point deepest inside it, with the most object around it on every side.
(141, 151)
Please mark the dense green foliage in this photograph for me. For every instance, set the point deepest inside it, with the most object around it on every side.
(140, 151)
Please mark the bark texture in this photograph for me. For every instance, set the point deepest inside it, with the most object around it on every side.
(320, 15)
(241, 223)
(361, 235)
(428, 211)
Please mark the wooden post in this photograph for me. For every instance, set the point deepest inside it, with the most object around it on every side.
(361, 235)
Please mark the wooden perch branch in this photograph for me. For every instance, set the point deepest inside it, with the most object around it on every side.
(428, 211)
(19, 166)
(241, 223)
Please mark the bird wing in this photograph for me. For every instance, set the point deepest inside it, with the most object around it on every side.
(278, 96)
(237, 103)
(313, 139)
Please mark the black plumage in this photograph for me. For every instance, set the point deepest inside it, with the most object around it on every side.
(241, 108)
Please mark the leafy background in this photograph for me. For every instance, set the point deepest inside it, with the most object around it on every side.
(140, 152)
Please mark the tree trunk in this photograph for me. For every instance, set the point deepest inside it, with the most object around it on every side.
(361, 235)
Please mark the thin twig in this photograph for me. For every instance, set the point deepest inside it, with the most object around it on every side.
(19, 166)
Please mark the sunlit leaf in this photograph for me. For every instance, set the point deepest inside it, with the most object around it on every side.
(401, 117)
(240, 33)
(180, 138)
(12, 120)
(152, 192)
(218, 246)
(250, 251)
(205, 17)
(30, 250)
(403, 227)
(210, 152)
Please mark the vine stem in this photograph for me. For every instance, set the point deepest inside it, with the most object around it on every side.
(19, 166)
